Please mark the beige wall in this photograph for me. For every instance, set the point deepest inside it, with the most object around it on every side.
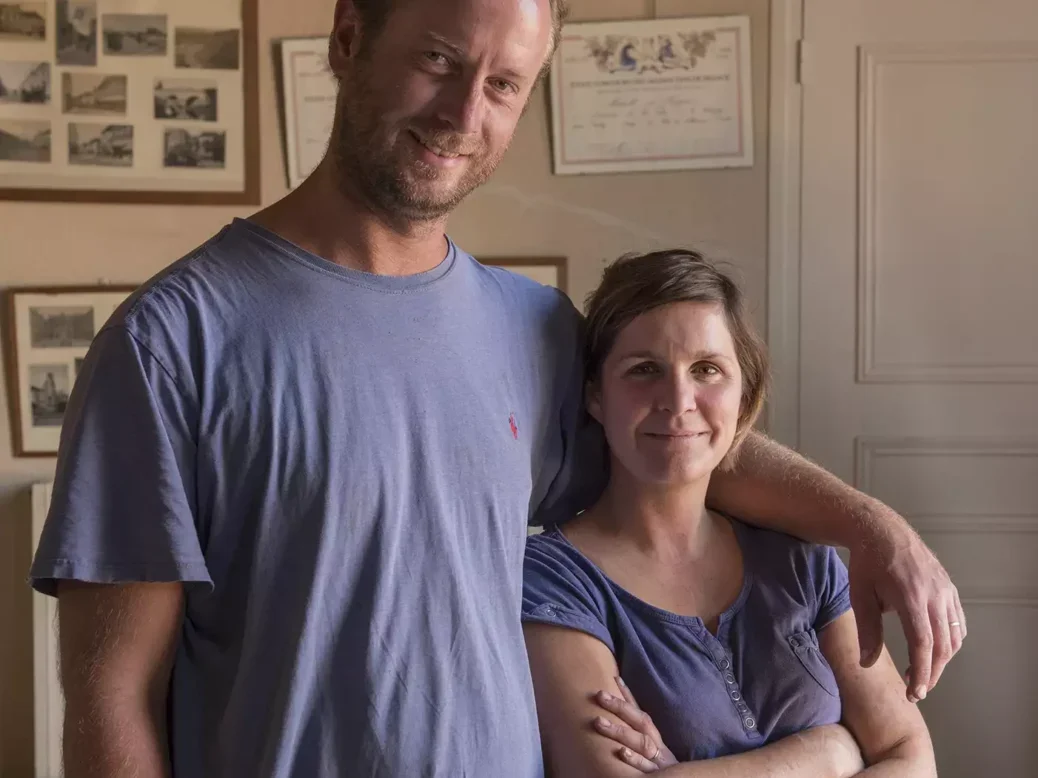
(523, 211)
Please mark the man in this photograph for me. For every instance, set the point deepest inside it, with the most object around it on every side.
(289, 515)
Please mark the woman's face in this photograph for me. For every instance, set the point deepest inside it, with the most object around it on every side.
(670, 393)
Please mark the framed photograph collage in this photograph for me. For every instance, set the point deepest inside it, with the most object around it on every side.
(129, 101)
(47, 334)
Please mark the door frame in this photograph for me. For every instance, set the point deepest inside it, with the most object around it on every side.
(785, 141)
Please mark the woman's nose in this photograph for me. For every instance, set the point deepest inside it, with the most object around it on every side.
(678, 394)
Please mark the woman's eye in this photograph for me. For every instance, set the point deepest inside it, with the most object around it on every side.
(707, 370)
(645, 368)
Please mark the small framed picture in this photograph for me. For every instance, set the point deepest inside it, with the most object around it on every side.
(46, 338)
(125, 101)
(550, 271)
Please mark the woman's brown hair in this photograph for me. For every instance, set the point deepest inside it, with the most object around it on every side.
(638, 283)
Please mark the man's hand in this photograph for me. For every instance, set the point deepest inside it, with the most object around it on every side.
(891, 569)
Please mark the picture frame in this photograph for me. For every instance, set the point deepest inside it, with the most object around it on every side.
(309, 93)
(652, 95)
(47, 333)
(130, 101)
(550, 271)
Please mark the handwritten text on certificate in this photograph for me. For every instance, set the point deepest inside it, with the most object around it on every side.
(664, 94)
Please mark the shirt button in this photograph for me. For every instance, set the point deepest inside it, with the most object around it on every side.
(795, 642)
(749, 722)
(729, 678)
(736, 696)
(742, 708)
(725, 664)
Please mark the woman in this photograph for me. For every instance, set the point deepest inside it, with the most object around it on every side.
(738, 642)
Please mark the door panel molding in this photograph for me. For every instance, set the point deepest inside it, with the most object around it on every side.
(872, 58)
(870, 449)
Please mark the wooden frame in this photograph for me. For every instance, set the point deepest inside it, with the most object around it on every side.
(248, 194)
(551, 271)
(48, 701)
(784, 130)
(30, 439)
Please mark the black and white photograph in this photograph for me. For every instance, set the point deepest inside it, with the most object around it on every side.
(134, 35)
(49, 389)
(181, 98)
(109, 145)
(25, 82)
(23, 22)
(195, 47)
(66, 326)
(93, 93)
(24, 140)
(187, 148)
(48, 336)
(76, 30)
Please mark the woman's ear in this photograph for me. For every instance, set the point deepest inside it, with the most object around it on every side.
(593, 400)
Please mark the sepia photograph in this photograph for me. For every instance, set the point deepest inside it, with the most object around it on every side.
(134, 35)
(24, 82)
(93, 93)
(70, 326)
(185, 148)
(23, 22)
(49, 390)
(195, 47)
(109, 145)
(24, 141)
(185, 99)
(76, 28)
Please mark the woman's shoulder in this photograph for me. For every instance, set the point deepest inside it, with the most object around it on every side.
(556, 573)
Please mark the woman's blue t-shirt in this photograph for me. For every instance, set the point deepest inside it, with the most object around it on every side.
(761, 678)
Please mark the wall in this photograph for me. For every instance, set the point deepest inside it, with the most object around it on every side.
(523, 211)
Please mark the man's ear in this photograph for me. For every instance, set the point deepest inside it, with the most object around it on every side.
(344, 42)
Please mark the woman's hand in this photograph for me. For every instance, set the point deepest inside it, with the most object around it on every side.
(641, 745)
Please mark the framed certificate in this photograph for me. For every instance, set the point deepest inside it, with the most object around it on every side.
(665, 94)
(129, 101)
(309, 93)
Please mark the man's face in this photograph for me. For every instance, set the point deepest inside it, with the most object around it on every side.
(430, 105)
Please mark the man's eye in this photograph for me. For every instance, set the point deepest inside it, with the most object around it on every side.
(501, 85)
(435, 58)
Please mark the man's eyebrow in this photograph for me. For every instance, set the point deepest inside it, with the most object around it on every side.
(454, 48)
(458, 53)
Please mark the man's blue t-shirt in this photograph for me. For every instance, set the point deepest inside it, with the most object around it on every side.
(760, 678)
(341, 466)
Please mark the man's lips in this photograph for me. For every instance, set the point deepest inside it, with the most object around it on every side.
(429, 144)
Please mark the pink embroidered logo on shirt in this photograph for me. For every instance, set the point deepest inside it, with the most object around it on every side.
(513, 425)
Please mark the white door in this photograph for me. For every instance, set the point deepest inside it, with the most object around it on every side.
(919, 321)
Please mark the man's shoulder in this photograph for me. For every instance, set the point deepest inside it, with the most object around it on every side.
(524, 293)
(225, 276)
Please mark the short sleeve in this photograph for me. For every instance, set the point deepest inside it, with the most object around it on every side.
(558, 591)
(832, 586)
(584, 466)
(123, 505)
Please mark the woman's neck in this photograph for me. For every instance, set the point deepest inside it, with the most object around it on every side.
(666, 522)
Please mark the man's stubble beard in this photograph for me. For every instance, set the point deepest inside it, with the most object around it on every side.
(368, 167)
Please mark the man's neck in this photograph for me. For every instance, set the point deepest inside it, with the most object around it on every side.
(322, 219)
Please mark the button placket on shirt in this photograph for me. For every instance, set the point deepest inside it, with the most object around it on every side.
(724, 664)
